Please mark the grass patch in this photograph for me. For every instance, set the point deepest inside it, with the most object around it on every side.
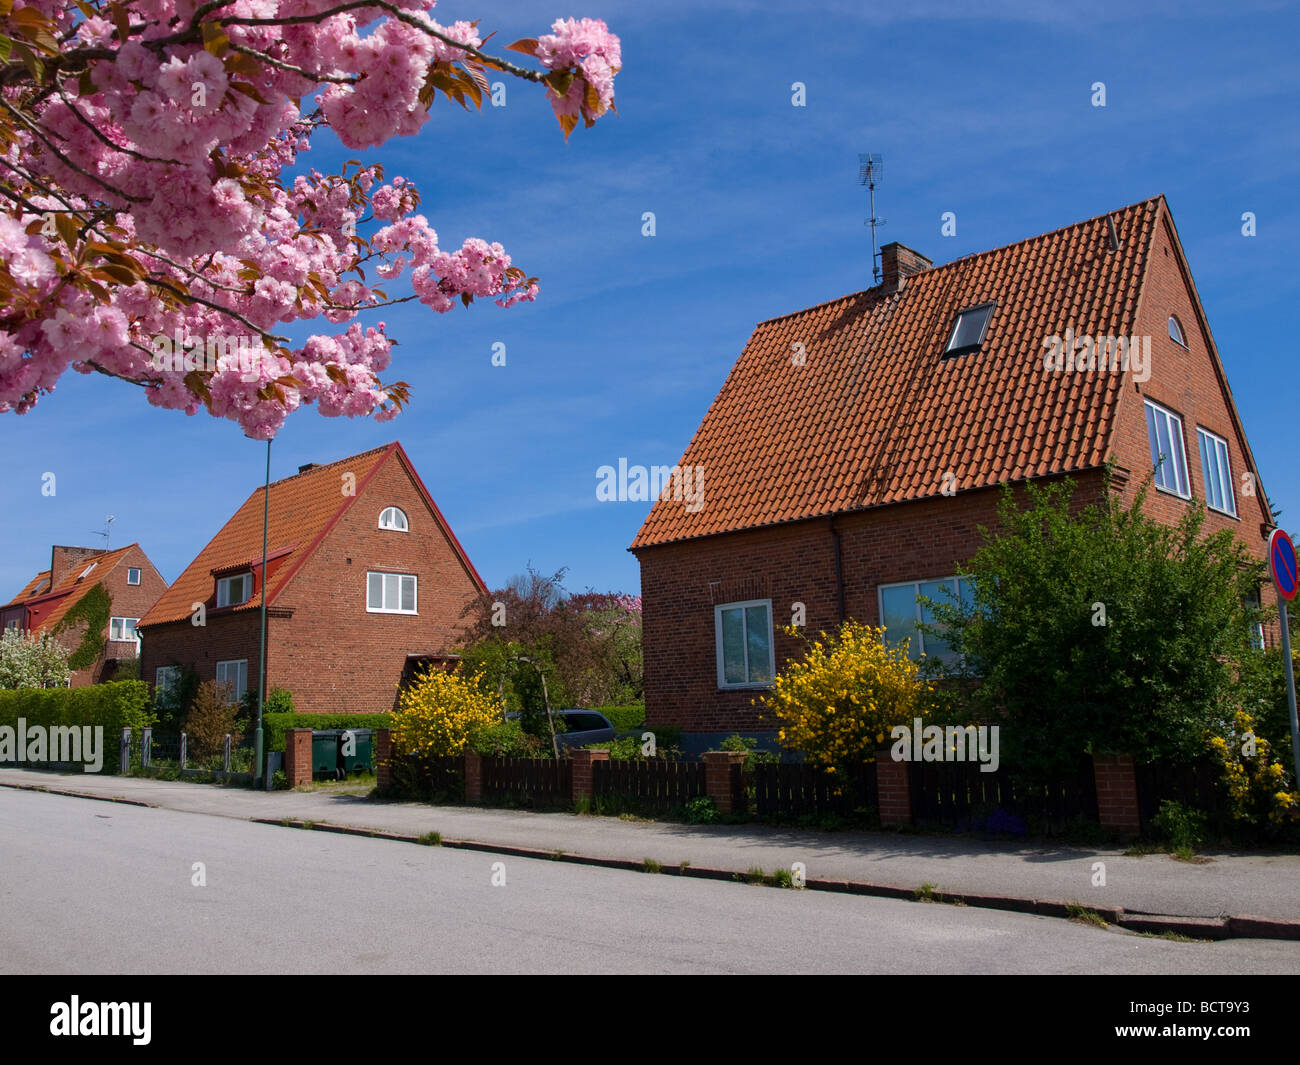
(1141, 848)
(756, 875)
(1082, 915)
(430, 839)
(649, 865)
(926, 893)
(683, 866)
(1173, 937)
(783, 878)
(636, 818)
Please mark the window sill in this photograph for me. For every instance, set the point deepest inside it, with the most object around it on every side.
(1170, 492)
(1222, 513)
(404, 613)
(761, 686)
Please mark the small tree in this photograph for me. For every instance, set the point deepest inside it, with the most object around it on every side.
(211, 717)
(28, 660)
(1102, 629)
(838, 703)
(437, 715)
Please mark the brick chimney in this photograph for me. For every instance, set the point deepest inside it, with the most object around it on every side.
(63, 560)
(307, 466)
(898, 262)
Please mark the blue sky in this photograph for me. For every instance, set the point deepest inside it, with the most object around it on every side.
(982, 109)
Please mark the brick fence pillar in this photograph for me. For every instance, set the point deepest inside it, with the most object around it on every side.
(720, 770)
(383, 758)
(583, 773)
(473, 777)
(1117, 798)
(893, 790)
(297, 756)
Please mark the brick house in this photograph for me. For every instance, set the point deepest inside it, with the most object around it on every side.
(856, 446)
(365, 578)
(133, 585)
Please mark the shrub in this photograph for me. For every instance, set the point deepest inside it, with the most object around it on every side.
(701, 811)
(1183, 828)
(28, 660)
(507, 739)
(210, 718)
(1257, 786)
(275, 725)
(838, 703)
(116, 705)
(748, 746)
(624, 718)
(437, 715)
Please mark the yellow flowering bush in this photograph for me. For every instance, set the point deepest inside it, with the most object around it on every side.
(437, 715)
(838, 703)
(1256, 785)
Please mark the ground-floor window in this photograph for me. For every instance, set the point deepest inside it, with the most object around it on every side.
(744, 643)
(234, 673)
(902, 613)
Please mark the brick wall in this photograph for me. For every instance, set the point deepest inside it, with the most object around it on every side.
(129, 601)
(682, 583)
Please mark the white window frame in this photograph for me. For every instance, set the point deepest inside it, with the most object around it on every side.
(125, 623)
(742, 605)
(224, 585)
(383, 608)
(1172, 421)
(129, 571)
(1174, 323)
(165, 680)
(388, 512)
(86, 572)
(918, 645)
(1221, 476)
(239, 685)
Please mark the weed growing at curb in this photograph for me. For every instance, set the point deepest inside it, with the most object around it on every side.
(649, 865)
(430, 839)
(1082, 915)
(926, 893)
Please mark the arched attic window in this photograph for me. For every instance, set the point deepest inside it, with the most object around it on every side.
(393, 518)
(1176, 332)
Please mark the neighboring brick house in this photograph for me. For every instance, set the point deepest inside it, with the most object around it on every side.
(133, 585)
(856, 447)
(365, 576)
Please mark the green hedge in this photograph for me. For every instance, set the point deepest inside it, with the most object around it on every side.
(624, 718)
(274, 725)
(117, 705)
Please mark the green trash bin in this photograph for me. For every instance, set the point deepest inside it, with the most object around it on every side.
(325, 752)
(360, 759)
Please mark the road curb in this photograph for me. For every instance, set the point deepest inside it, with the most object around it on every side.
(120, 800)
(1202, 928)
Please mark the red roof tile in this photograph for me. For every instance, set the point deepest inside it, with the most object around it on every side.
(876, 414)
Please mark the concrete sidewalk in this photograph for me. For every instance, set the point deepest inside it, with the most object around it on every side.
(1229, 885)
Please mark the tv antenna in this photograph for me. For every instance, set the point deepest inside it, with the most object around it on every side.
(108, 530)
(871, 169)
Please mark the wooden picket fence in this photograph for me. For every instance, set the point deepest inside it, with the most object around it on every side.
(957, 795)
(529, 781)
(658, 784)
(799, 789)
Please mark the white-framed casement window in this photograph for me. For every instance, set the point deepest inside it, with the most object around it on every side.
(235, 673)
(231, 591)
(393, 518)
(123, 629)
(132, 575)
(902, 613)
(744, 643)
(1168, 455)
(11, 625)
(165, 681)
(390, 593)
(1217, 471)
(1252, 602)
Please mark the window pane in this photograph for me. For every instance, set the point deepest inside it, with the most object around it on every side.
(940, 592)
(898, 615)
(733, 647)
(1179, 454)
(760, 649)
(391, 593)
(1208, 471)
(1153, 440)
(1165, 473)
(970, 327)
(408, 593)
(374, 591)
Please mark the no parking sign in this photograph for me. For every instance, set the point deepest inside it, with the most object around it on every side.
(1286, 579)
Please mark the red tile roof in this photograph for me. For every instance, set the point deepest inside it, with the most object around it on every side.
(876, 414)
(303, 508)
(70, 590)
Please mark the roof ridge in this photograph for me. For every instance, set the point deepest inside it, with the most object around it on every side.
(316, 467)
(967, 258)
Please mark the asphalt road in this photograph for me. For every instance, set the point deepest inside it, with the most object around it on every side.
(89, 887)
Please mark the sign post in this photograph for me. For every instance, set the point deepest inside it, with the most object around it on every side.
(1286, 579)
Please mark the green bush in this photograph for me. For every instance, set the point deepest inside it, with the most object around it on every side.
(1182, 827)
(506, 739)
(274, 725)
(748, 745)
(117, 705)
(701, 811)
(624, 718)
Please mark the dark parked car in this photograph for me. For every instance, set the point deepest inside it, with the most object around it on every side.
(577, 727)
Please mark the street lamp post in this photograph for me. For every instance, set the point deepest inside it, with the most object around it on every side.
(261, 658)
